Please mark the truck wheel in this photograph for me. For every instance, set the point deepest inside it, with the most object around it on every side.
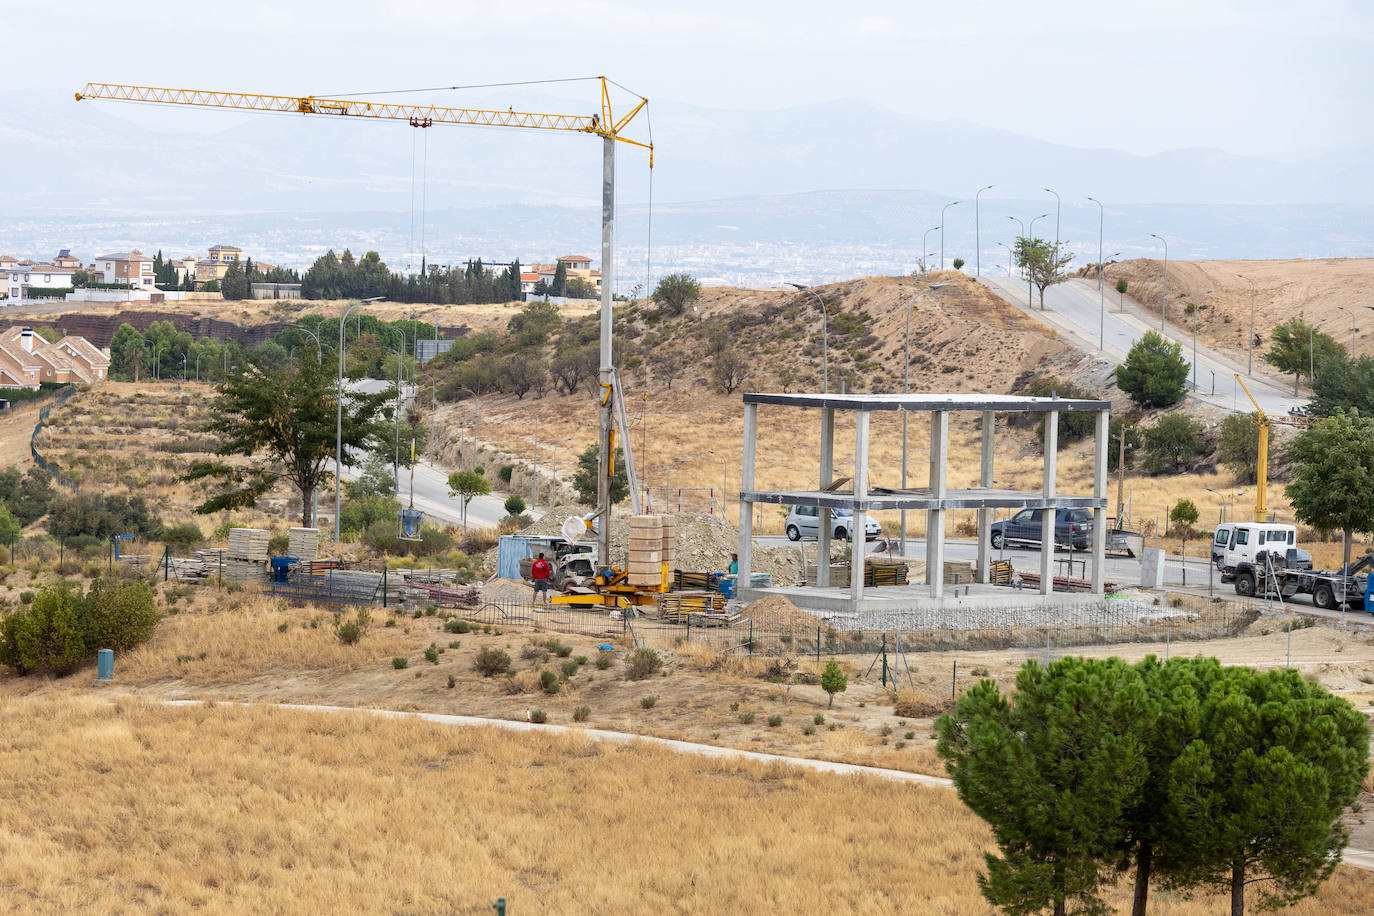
(997, 540)
(841, 534)
(1245, 584)
(1324, 598)
(792, 533)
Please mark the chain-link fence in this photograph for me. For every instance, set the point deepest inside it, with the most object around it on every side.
(57, 475)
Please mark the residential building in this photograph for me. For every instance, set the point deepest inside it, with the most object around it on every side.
(576, 262)
(65, 259)
(528, 281)
(27, 360)
(216, 264)
(18, 280)
(131, 268)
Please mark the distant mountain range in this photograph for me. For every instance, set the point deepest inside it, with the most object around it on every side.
(735, 191)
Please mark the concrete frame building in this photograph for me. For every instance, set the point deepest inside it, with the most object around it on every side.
(935, 499)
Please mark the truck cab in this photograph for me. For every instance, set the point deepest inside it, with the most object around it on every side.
(1241, 542)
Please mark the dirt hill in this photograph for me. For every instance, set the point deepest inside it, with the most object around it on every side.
(1316, 290)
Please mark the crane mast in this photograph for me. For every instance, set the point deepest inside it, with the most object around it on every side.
(603, 123)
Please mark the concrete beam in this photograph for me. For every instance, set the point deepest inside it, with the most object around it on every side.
(858, 538)
(1047, 491)
(827, 474)
(1101, 442)
(984, 513)
(746, 505)
(935, 518)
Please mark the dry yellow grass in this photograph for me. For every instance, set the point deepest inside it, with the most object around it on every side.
(129, 806)
(246, 640)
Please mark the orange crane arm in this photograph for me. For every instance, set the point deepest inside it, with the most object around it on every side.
(602, 124)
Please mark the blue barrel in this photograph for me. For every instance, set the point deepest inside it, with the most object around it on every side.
(104, 665)
(727, 587)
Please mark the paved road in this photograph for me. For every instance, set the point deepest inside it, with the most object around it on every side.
(1072, 309)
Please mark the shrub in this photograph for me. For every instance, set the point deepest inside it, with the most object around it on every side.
(119, 615)
(515, 505)
(538, 716)
(452, 681)
(562, 650)
(278, 544)
(352, 629)
(886, 730)
(581, 660)
(644, 663)
(432, 654)
(911, 705)
(457, 626)
(1173, 442)
(534, 654)
(569, 668)
(833, 679)
(400, 662)
(581, 713)
(548, 681)
(47, 636)
(181, 536)
(809, 730)
(818, 719)
(774, 720)
(746, 718)
(490, 662)
(647, 702)
(604, 659)
(454, 644)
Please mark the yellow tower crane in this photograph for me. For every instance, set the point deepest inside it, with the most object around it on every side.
(1264, 421)
(603, 124)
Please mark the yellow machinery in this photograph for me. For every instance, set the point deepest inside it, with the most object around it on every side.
(1264, 421)
(603, 124)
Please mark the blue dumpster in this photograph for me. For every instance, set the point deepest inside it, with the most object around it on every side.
(281, 568)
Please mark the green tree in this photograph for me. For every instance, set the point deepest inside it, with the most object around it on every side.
(1332, 485)
(675, 292)
(1260, 791)
(1121, 286)
(210, 286)
(126, 353)
(1239, 445)
(1043, 262)
(47, 636)
(1173, 441)
(584, 480)
(1184, 516)
(1114, 430)
(1343, 384)
(466, 485)
(534, 324)
(833, 680)
(9, 526)
(1296, 345)
(729, 369)
(559, 286)
(1053, 773)
(285, 421)
(82, 278)
(235, 283)
(515, 504)
(1154, 373)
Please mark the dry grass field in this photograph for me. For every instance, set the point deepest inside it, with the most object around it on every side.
(126, 806)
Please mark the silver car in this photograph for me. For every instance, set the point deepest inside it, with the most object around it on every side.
(804, 522)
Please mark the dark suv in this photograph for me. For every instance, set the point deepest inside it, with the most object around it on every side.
(1072, 528)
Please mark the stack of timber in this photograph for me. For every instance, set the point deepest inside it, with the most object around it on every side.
(246, 556)
(653, 543)
(695, 580)
(303, 543)
(884, 572)
(676, 607)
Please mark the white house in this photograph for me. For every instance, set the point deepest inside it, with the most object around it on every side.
(131, 267)
(18, 280)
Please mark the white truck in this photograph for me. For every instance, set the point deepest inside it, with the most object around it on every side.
(1236, 543)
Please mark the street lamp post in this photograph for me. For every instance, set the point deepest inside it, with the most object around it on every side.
(1101, 302)
(724, 483)
(1250, 365)
(825, 337)
(1164, 296)
(942, 231)
(906, 389)
(925, 246)
(319, 356)
(1341, 308)
(1311, 349)
(977, 236)
(338, 415)
(1058, 206)
(1196, 309)
(157, 362)
(197, 365)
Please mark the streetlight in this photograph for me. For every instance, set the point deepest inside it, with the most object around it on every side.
(1250, 366)
(1101, 303)
(476, 415)
(1058, 206)
(1311, 349)
(338, 415)
(1195, 311)
(197, 365)
(906, 389)
(977, 238)
(319, 357)
(157, 362)
(1164, 297)
(1028, 270)
(1341, 308)
(942, 231)
(825, 337)
(925, 245)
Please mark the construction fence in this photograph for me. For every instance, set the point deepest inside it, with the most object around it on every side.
(57, 475)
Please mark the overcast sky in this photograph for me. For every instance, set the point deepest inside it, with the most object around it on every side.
(1257, 77)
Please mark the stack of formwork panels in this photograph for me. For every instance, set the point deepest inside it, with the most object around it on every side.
(246, 556)
(303, 544)
(653, 542)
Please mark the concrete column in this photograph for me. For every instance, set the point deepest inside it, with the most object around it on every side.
(857, 535)
(1047, 489)
(1101, 443)
(935, 518)
(746, 486)
(827, 475)
(985, 515)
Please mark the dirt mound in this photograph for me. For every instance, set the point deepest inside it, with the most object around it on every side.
(507, 590)
(704, 544)
(776, 614)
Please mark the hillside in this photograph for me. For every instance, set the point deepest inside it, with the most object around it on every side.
(1318, 290)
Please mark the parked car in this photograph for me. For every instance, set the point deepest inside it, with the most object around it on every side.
(1072, 528)
(804, 522)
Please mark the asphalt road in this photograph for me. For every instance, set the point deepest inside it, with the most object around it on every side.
(1072, 309)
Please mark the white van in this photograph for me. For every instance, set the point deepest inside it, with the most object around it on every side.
(1239, 542)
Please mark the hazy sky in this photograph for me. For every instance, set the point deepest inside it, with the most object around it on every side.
(1257, 77)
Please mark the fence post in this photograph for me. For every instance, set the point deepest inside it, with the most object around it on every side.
(884, 672)
(689, 626)
(818, 645)
(384, 596)
(59, 562)
(954, 679)
(61, 553)
(751, 637)
(166, 561)
(111, 556)
(221, 569)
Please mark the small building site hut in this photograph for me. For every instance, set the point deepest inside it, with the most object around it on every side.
(936, 498)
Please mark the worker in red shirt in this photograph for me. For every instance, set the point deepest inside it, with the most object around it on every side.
(540, 572)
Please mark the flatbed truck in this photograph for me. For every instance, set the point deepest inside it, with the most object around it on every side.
(1290, 573)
